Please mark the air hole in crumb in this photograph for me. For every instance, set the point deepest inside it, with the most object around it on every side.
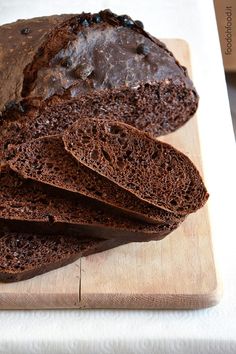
(114, 129)
(102, 137)
(5, 145)
(123, 142)
(94, 154)
(173, 202)
(106, 155)
(50, 219)
(180, 209)
(94, 130)
(127, 154)
(49, 165)
(98, 193)
(154, 155)
(85, 139)
(120, 163)
(91, 189)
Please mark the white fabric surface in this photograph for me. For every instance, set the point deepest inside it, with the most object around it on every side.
(210, 330)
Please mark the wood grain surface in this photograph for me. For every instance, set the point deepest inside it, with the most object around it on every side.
(177, 272)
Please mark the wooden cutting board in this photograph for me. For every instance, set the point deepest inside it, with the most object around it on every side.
(177, 272)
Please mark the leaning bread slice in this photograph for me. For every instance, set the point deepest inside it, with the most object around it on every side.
(46, 160)
(27, 205)
(25, 255)
(152, 170)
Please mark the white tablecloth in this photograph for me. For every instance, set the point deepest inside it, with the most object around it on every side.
(210, 330)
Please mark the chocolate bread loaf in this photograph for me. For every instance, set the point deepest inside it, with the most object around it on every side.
(57, 73)
(86, 65)
(24, 256)
(26, 205)
(153, 171)
(46, 160)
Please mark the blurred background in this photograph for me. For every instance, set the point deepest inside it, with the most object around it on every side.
(231, 85)
(226, 21)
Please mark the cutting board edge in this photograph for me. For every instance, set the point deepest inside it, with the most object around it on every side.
(157, 301)
(154, 301)
(115, 301)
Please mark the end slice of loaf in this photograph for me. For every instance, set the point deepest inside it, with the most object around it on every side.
(25, 255)
(55, 70)
(71, 56)
(46, 160)
(152, 170)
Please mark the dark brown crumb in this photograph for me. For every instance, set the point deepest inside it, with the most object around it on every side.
(153, 171)
(24, 256)
(29, 205)
(46, 160)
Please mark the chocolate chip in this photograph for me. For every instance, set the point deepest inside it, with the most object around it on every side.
(139, 23)
(74, 26)
(126, 21)
(14, 106)
(109, 85)
(142, 49)
(97, 18)
(83, 70)
(17, 128)
(5, 145)
(10, 105)
(40, 52)
(66, 62)
(84, 23)
(108, 11)
(25, 30)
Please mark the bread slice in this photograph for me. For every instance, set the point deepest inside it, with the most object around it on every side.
(25, 255)
(153, 171)
(46, 160)
(89, 65)
(27, 205)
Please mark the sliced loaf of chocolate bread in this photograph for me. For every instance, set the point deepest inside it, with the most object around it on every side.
(25, 255)
(27, 205)
(153, 171)
(46, 160)
(89, 65)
